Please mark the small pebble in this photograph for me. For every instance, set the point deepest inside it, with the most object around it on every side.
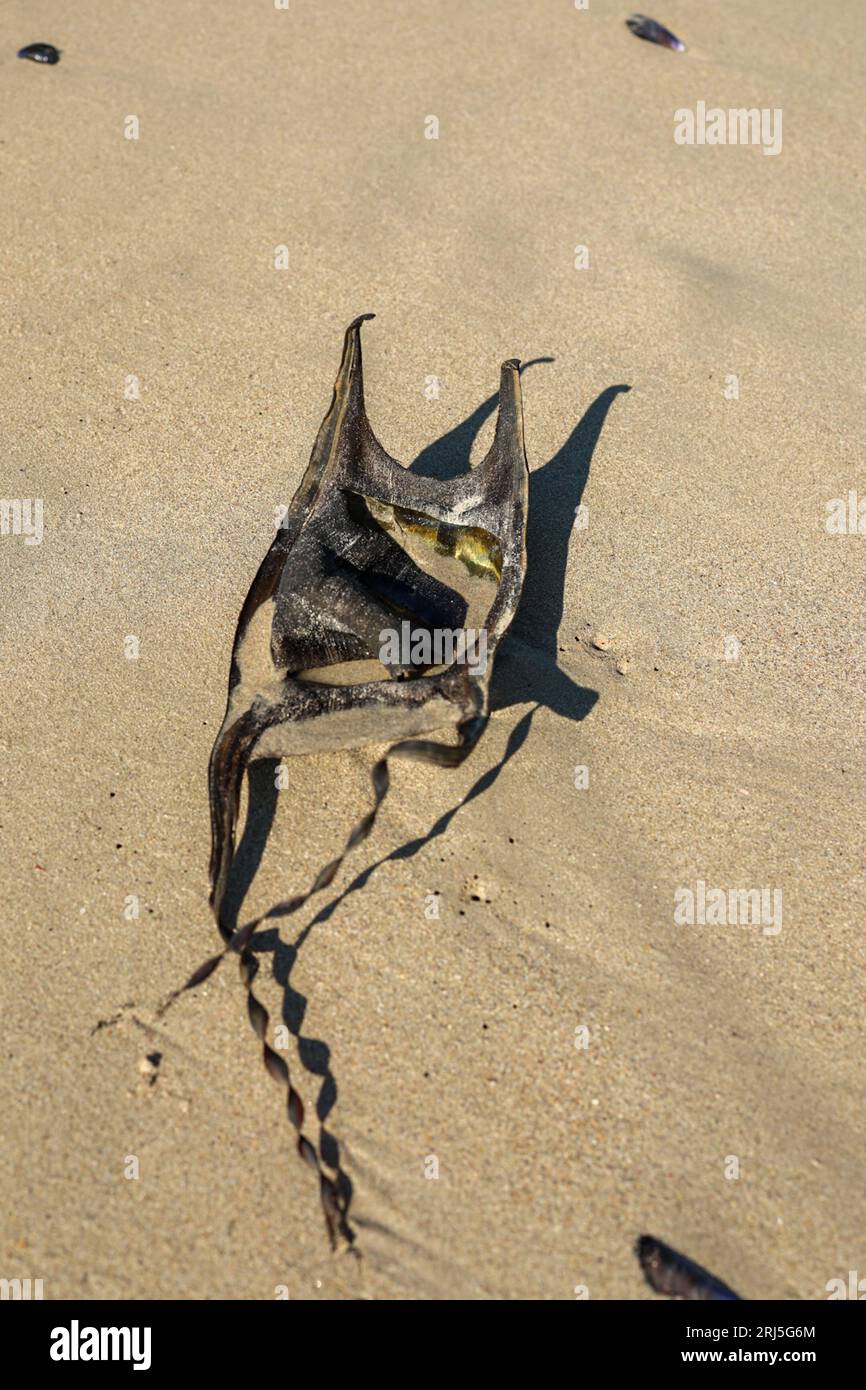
(622, 665)
(40, 53)
(476, 890)
(149, 1066)
(601, 641)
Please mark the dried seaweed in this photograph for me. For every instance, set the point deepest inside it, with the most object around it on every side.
(668, 1272)
(365, 547)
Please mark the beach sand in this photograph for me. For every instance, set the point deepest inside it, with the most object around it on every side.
(697, 647)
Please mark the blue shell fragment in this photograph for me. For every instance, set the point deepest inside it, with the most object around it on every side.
(40, 53)
(654, 32)
(668, 1272)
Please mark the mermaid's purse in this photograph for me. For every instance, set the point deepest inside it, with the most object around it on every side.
(376, 613)
(355, 631)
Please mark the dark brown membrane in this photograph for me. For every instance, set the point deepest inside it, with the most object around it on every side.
(364, 546)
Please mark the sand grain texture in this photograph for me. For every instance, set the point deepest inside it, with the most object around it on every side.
(452, 1037)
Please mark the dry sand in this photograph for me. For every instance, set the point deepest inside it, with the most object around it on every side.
(451, 1038)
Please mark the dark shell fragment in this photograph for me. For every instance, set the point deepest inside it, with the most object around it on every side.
(668, 1272)
(654, 32)
(40, 53)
